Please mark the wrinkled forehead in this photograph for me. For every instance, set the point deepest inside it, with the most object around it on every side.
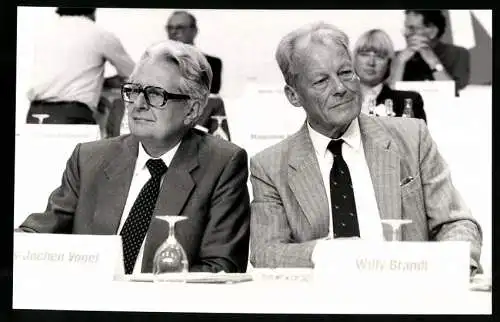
(309, 53)
(180, 19)
(414, 19)
(157, 71)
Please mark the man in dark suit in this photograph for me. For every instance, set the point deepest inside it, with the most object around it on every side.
(164, 167)
(182, 26)
(426, 57)
(343, 172)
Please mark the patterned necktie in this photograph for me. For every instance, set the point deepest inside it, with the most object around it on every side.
(345, 219)
(137, 223)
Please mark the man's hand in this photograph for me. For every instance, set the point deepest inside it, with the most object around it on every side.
(406, 54)
(420, 44)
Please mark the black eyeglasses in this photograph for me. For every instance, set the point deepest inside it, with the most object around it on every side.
(155, 96)
(173, 28)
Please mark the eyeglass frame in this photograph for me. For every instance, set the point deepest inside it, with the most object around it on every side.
(166, 95)
(179, 27)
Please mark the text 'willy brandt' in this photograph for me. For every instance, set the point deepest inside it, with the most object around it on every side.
(371, 264)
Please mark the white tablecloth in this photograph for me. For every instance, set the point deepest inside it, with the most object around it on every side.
(247, 297)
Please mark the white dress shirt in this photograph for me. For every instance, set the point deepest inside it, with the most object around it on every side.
(370, 225)
(139, 179)
(69, 61)
(369, 94)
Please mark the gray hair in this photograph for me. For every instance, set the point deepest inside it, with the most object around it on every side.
(194, 67)
(375, 40)
(318, 32)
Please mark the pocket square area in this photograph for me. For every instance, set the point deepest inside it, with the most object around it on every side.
(406, 180)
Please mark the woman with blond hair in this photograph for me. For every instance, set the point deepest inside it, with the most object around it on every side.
(373, 54)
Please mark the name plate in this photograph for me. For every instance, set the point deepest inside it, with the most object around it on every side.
(61, 256)
(425, 88)
(356, 264)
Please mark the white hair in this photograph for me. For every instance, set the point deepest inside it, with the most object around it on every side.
(195, 70)
(318, 32)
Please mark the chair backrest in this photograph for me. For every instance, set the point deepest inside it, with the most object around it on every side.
(261, 117)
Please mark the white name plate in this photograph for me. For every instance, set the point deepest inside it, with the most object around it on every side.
(356, 264)
(61, 256)
(444, 88)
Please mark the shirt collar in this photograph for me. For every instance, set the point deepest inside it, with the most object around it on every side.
(372, 92)
(143, 156)
(352, 137)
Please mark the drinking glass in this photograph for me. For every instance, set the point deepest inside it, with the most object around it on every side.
(219, 131)
(395, 225)
(170, 257)
(41, 117)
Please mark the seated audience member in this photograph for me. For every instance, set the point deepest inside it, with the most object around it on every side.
(182, 171)
(182, 26)
(426, 57)
(343, 171)
(68, 72)
(372, 58)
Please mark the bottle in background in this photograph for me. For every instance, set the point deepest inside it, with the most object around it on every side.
(389, 110)
(408, 108)
(371, 106)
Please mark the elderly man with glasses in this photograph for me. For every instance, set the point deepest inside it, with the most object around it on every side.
(163, 167)
(343, 172)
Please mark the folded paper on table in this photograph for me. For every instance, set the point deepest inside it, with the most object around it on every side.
(426, 88)
(283, 274)
(195, 277)
(64, 256)
(357, 264)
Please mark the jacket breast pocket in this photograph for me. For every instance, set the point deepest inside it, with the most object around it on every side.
(409, 187)
(413, 208)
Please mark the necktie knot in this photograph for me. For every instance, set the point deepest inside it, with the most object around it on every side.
(335, 146)
(156, 167)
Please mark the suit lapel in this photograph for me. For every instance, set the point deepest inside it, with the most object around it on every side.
(174, 193)
(384, 164)
(306, 182)
(384, 94)
(113, 189)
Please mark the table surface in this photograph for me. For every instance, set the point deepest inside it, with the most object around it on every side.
(258, 296)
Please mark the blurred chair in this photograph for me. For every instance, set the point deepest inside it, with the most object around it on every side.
(112, 110)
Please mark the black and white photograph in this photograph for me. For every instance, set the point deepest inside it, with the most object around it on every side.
(306, 161)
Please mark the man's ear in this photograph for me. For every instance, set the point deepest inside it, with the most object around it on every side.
(292, 95)
(194, 112)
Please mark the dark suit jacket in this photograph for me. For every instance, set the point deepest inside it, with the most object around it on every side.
(206, 181)
(398, 101)
(455, 60)
(216, 65)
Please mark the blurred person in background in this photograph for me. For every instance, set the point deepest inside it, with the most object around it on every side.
(373, 52)
(68, 72)
(182, 26)
(426, 57)
(118, 186)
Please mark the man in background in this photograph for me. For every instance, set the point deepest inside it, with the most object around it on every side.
(426, 57)
(182, 26)
(68, 73)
